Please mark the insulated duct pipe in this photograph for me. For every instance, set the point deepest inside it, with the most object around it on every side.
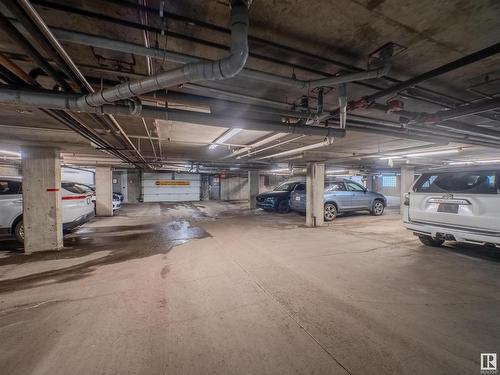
(224, 68)
(56, 100)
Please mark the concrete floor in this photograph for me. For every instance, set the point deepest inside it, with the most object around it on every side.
(212, 288)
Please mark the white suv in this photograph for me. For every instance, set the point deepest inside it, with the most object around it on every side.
(458, 205)
(77, 206)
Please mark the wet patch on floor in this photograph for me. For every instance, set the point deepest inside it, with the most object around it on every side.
(122, 242)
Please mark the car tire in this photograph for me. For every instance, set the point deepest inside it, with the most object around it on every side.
(19, 232)
(330, 212)
(429, 241)
(377, 208)
(283, 207)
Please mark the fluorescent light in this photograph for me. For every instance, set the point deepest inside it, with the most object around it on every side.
(428, 153)
(487, 161)
(296, 150)
(10, 153)
(272, 146)
(254, 145)
(336, 171)
(392, 158)
(224, 137)
(279, 170)
(492, 161)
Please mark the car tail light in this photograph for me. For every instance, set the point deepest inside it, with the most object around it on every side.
(407, 199)
(74, 197)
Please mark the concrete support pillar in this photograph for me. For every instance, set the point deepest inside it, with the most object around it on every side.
(42, 214)
(124, 186)
(369, 183)
(262, 184)
(406, 180)
(104, 191)
(315, 187)
(253, 188)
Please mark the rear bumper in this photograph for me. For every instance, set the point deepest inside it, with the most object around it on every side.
(80, 221)
(460, 235)
(296, 208)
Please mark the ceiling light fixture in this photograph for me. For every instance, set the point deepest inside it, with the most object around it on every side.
(254, 145)
(13, 153)
(224, 137)
(492, 161)
(335, 171)
(279, 170)
(296, 150)
(392, 158)
(429, 153)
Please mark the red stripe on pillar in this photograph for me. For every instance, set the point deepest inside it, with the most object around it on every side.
(52, 189)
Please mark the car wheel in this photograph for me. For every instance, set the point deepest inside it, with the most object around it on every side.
(19, 231)
(283, 207)
(429, 241)
(330, 212)
(377, 208)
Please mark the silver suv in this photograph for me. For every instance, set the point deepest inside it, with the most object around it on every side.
(341, 195)
(458, 205)
(77, 206)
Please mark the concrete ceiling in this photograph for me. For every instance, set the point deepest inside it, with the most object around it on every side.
(431, 34)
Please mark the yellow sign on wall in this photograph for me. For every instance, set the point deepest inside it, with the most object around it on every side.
(172, 183)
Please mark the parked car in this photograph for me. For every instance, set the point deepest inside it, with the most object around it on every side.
(459, 205)
(117, 201)
(277, 199)
(77, 206)
(119, 195)
(341, 195)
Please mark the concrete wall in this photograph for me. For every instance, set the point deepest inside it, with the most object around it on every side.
(133, 186)
(9, 170)
(78, 175)
(234, 188)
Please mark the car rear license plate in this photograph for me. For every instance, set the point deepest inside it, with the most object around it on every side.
(449, 208)
(297, 198)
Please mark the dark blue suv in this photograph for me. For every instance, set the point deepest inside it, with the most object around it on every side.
(278, 198)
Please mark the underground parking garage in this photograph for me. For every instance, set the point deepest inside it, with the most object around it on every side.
(249, 187)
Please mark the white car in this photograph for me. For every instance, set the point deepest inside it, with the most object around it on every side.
(77, 206)
(455, 205)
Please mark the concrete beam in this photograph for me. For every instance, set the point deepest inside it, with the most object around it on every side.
(42, 204)
(315, 187)
(253, 188)
(104, 191)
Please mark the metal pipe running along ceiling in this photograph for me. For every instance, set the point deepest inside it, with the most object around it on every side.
(55, 100)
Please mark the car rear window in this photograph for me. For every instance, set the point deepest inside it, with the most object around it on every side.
(76, 188)
(9, 187)
(481, 182)
(335, 186)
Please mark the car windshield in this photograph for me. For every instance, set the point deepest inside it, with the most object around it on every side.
(284, 187)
